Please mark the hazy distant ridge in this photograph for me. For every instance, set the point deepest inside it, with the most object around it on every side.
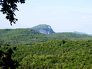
(37, 34)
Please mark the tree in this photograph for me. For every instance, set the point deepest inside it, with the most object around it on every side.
(9, 7)
(6, 59)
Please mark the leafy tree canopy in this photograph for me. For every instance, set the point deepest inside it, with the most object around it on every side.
(9, 7)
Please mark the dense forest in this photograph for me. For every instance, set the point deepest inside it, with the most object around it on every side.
(27, 36)
(33, 50)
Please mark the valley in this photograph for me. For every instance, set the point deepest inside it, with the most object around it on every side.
(39, 50)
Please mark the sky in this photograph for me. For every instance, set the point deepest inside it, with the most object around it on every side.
(61, 15)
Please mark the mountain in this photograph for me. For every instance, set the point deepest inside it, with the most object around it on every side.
(43, 28)
(38, 34)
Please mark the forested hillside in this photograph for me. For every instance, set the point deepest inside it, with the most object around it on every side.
(28, 35)
(20, 36)
(53, 54)
(70, 36)
(34, 50)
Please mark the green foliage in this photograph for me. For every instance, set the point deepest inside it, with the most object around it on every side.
(9, 7)
(21, 36)
(54, 54)
(70, 35)
(29, 36)
(55, 51)
(5, 56)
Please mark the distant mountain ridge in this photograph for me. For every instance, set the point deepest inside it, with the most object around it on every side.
(43, 28)
(39, 33)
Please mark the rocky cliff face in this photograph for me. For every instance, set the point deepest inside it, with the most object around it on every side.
(43, 28)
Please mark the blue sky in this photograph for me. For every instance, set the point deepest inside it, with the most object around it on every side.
(62, 15)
